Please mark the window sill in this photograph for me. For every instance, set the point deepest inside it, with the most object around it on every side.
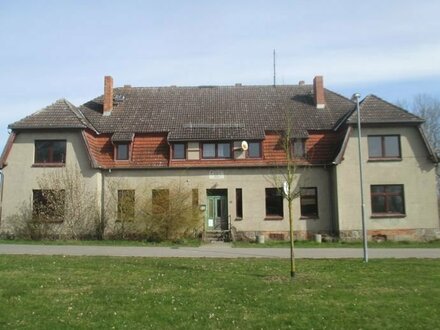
(238, 219)
(387, 215)
(309, 218)
(49, 165)
(372, 160)
(273, 218)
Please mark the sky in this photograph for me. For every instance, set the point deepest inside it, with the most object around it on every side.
(63, 49)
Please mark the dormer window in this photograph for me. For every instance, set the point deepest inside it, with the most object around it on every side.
(216, 150)
(299, 150)
(179, 151)
(254, 150)
(122, 151)
(122, 142)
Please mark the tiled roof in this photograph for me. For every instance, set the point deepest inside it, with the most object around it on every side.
(61, 114)
(122, 137)
(226, 112)
(374, 110)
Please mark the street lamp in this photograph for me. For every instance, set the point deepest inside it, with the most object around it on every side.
(356, 97)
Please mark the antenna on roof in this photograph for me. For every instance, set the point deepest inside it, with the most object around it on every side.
(274, 70)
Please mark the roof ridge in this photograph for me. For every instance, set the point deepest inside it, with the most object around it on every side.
(83, 120)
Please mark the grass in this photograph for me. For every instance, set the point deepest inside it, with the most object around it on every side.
(357, 244)
(44, 292)
(239, 244)
(186, 242)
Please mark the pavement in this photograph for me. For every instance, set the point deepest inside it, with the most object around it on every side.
(216, 251)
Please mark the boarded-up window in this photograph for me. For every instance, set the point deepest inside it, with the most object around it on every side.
(161, 201)
(126, 205)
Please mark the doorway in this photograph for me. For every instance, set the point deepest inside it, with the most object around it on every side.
(217, 209)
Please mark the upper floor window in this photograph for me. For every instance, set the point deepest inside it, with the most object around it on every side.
(216, 150)
(384, 146)
(299, 149)
(254, 150)
(309, 202)
(122, 151)
(50, 151)
(387, 200)
(179, 151)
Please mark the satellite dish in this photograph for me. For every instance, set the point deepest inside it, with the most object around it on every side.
(244, 145)
(286, 188)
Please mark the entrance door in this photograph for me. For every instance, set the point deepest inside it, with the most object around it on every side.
(217, 213)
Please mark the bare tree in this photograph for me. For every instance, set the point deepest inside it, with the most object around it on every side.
(428, 108)
(170, 213)
(69, 201)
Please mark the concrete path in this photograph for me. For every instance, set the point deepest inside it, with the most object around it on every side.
(214, 251)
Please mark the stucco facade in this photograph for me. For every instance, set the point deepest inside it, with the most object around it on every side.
(415, 171)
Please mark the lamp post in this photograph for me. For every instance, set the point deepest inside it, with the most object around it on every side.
(356, 97)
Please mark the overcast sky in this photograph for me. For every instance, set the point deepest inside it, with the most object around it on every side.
(62, 49)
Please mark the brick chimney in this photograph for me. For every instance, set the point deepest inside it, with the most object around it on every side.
(108, 96)
(318, 92)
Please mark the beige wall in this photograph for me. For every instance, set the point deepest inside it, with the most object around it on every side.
(415, 171)
(252, 182)
(20, 177)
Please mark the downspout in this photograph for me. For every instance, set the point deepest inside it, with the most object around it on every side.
(102, 219)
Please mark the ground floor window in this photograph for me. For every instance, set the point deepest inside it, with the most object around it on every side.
(126, 202)
(387, 200)
(48, 205)
(195, 198)
(239, 203)
(274, 203)
(309, 202)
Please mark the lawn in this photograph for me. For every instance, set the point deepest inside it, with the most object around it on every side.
(238, 244)
(43, 292)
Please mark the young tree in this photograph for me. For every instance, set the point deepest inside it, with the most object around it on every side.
(288, 179)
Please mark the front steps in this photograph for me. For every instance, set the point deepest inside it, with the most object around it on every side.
(216, 236)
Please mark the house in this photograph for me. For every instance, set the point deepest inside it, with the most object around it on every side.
(225, 144)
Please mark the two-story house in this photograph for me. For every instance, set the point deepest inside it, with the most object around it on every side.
(225, 143)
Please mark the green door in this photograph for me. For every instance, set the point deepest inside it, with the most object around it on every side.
(217, 213)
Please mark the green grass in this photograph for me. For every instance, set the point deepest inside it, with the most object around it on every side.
(241, 244)
(42, 292)
(357, 244)
(186, 242)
